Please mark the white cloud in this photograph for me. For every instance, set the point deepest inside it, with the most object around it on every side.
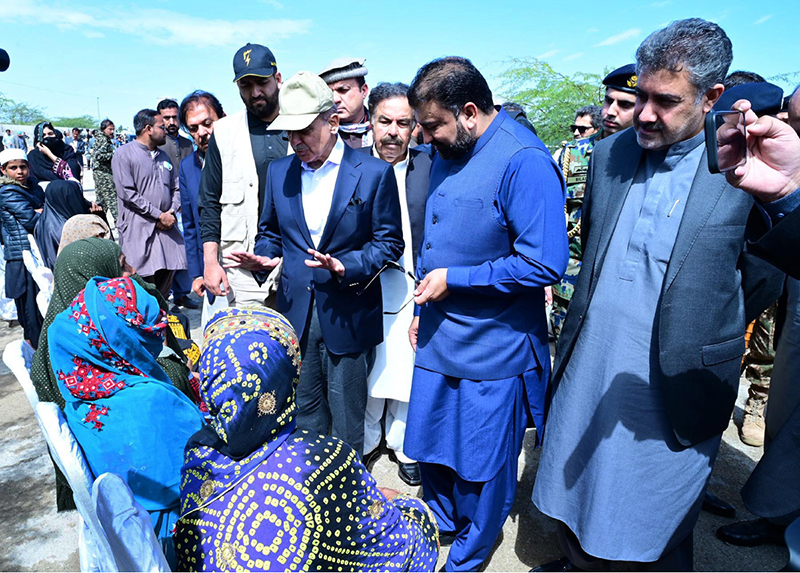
(157, 26)
(660, 4)
(592, 30)
(548, 54)
(92, 35)
(621, 37)
(574, 56)
(762, 19)
(273, 3)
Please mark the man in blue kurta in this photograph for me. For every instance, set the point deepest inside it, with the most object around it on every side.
(494, 238)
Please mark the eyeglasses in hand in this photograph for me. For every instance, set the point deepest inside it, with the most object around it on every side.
(394, 266)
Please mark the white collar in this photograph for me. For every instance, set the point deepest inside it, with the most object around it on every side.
(334, 158)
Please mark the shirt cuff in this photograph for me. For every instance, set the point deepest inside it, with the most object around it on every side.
(458, 279)
(777, 210)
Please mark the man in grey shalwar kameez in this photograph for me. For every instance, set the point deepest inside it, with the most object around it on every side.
(148, 198)
(647, 367)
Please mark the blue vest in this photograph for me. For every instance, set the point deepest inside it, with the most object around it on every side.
(469, 336)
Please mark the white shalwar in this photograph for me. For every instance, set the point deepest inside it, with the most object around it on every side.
(389, 383)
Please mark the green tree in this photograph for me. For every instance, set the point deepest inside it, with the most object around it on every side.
(550, 98)
(84, 121)
(19, 113)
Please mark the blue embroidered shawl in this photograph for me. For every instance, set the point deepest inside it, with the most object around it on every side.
(125, 413)
(258, 494)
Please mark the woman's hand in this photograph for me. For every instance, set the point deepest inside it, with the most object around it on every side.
(46, 151)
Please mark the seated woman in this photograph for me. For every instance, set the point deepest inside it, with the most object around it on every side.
(125, 413)
(259, 494)
(75, 266)
(83, 227)
(64, 199)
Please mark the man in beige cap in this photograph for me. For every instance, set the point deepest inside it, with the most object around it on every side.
(333, 216)
(345, 77)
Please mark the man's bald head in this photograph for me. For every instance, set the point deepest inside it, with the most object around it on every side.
(794, 110)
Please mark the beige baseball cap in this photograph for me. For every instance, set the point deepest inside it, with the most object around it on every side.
(302, 98)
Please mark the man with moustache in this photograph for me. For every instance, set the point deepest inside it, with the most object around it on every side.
(617, 114)
(333, 216)
(147, 188)
(178, 148)
(345, 77)
(234, 178)
(390, 378)
(494, 237)
(198, 113)
(647, 366)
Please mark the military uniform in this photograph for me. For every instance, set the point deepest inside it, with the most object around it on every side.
(574, 164)
(757, 368)
(106, 193)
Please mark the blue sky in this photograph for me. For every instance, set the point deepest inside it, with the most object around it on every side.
(130, 54)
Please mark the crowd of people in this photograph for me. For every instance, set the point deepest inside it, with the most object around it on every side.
(382, 271)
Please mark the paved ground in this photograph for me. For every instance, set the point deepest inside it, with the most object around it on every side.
(35, 538)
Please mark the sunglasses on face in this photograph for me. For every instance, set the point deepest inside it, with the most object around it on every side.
(394, 266)
(580, 128)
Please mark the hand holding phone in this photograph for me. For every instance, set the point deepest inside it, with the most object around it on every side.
(726, 140)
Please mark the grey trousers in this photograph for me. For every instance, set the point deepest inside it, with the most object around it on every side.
(332, 393)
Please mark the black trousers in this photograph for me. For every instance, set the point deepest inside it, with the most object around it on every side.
(332, 393)
(28, 312)
(680, 558)
(163, 281)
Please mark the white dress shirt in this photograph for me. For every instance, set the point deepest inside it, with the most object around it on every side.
(317, 186)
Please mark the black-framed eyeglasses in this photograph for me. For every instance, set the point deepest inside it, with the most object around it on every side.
(394, 266)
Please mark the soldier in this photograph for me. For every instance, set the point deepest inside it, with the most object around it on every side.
(102, 153)
(574, 163)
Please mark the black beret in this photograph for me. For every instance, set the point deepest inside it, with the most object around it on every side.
(765, 98)
(623, 78)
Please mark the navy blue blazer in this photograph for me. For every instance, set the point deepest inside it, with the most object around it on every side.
(189, 181)
(363, 231)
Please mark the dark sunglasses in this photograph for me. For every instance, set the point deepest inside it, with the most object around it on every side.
(580, 128)
(394, 266)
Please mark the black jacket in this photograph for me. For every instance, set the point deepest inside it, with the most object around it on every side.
(18, 216)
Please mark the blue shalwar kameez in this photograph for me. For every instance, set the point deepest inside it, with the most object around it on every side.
(612, 469)
(495, 220)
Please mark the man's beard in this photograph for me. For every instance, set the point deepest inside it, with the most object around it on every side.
(172, 130)
(463, 143)
(263, 107)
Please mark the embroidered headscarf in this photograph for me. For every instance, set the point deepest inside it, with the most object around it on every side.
(249, 369)
(125, 413)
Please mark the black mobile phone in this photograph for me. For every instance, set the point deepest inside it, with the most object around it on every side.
(726, 140)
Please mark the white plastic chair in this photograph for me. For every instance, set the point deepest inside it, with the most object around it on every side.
(18, 356)
(42, 275)
(127, 526)
(94, 547)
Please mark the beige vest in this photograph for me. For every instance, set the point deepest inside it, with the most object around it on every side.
(239, 199)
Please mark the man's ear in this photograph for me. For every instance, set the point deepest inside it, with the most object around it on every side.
(334, 122)
(278, 78)
(712, 95)
(470, 114)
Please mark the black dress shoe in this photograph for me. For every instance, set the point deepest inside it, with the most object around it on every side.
(717, 506)
(186, 302)
(409, 473)
(751, 533)
(562, 564)
(369, 459)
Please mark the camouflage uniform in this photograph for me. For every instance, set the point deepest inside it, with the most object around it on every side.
(106, 193)
(574, 163)
(757, 367)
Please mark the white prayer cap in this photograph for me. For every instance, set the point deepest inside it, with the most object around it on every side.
(10, 154)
